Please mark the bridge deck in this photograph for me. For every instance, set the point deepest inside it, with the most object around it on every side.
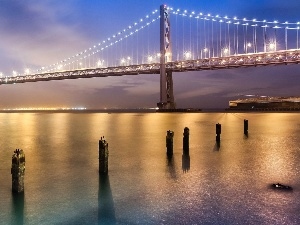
(235, 61)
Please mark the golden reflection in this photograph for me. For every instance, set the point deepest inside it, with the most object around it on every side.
(58, 128)
(62, 164)
(98, 125)
(27, 131)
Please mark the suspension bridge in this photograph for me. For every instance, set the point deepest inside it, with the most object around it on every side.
(182, 41)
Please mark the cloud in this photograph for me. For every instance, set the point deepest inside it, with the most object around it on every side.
(199, 92)
(35, 36)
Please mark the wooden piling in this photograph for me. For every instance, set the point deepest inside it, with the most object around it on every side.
(218, 132)
(169, 142)
(18, 171)
(103, 156)
(186, 146)
(246, 127)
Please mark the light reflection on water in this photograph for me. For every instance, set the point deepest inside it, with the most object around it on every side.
(229, 184)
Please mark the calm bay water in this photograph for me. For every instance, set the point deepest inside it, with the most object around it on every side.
(229, 184)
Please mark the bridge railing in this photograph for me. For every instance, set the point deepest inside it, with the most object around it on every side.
(153, 68)
(235, 61)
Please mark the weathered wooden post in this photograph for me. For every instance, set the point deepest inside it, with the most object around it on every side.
(218, 132)
(246, 127)
(18, 171)
(103, 156)
(169, 142)
(186, 134)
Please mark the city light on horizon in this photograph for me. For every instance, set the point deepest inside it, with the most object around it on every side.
(43, 108)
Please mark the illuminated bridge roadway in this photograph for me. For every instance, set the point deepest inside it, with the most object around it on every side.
(283, 57)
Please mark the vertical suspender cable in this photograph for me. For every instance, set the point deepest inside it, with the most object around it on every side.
(137, 48)
(212, 39)
(275, 33)
(204, 27)
(101, 55)
(228, 30)
(237, 38)
(143, 52)
(176, 37)
(132, 49)
(220, 39)
(197, 36)
(265, 37)
(126, 49)
(200, 39)
(190, 35)
(208, 39)
(255, 38)
(105, 57)
(246, 38)
(148, 40)
(297, 37)
(244, 35)
(234, 41)
(285, 38)
(225, 41)
(183, 34)
(121, 51)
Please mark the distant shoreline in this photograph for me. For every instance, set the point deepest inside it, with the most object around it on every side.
(151, 111)
(78, 111)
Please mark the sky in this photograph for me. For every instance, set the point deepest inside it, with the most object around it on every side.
(36, 33)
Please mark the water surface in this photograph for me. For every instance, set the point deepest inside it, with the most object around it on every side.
(226, 184)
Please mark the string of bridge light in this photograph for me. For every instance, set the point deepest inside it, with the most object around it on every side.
(184, 13)
(245, 21)
(122, 32)
(105, 47)
(236, 21)
(59, 65)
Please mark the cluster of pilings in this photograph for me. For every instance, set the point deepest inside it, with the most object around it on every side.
(219, 128)
(18, 158)
(185, 147)
(18, 165)
(103, 149)
(169, 142)
(170, 135)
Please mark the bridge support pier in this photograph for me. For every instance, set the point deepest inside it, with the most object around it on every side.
(166, 80)
(166, 93)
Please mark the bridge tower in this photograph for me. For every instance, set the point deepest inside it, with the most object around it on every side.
(166, 81)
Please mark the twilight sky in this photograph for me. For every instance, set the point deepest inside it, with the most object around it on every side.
(37, 33)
